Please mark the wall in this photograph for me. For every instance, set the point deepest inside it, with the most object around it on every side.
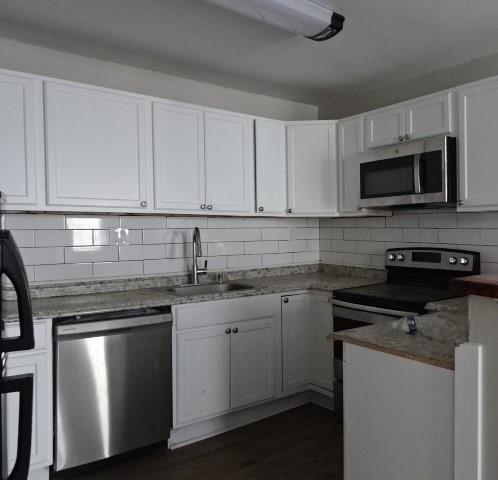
(356, 102)
(76, 247)
(33, 59)
(363, 241)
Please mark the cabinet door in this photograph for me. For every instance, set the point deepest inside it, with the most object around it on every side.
(430, 116)
(271, 194)
(322, 360)
(312, 168)
(96, 147)
(252, 361)
(20, 153)
(203, 374)
(478, 106)
(178, 157)
(229, 163)
(384, 127)
(41, 443)
(350, 143)
(296, 338)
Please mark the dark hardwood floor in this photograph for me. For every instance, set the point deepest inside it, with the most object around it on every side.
(304, 443)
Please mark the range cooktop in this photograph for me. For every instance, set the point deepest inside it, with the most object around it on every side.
(415, 277)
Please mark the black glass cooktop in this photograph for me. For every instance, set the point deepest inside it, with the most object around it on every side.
(405, 297)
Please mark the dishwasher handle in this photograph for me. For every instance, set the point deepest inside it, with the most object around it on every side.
(91, 327)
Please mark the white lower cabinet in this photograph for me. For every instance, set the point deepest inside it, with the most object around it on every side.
(306, 354)
(225, 356)
(39, 363)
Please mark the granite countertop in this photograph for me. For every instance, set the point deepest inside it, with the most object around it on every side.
(434, 342)
(69, 305)
(483, 285)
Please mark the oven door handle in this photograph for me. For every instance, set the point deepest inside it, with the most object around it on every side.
(416, 173)
(367, 308)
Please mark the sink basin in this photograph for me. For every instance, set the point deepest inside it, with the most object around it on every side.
(207, 288)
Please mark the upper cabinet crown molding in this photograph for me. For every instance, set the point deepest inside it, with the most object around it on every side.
(424, 117)
(97, 147)
(21, 140)
(312, 167)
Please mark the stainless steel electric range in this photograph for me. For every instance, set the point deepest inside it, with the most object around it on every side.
(415, 277)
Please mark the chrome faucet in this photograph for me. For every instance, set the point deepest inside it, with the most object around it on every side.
(196, 253)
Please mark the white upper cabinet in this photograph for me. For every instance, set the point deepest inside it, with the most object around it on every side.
(385, 127)
(312, 167)
(350, 145)
(430, 116)
(179, 174)
(478, 107)
(229, 162)
(271, 188)
(425, 117)
(21, 147)
(97, 147)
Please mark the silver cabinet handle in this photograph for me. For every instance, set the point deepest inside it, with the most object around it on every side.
(407, 137)
(143, 203)
(290, 210)
(235, 330)
(461, 202)
(286, 300)
(401, 138)
(203, 206)
(209, 207)
(228, 331)
(261, 209)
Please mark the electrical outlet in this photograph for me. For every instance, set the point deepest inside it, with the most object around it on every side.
(120, 236)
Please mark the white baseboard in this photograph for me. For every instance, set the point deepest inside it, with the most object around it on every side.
(40, 474)
(209, 428)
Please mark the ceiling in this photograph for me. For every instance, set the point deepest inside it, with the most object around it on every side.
(384, 41)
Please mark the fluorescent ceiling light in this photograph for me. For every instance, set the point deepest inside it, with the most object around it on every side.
(301, 17)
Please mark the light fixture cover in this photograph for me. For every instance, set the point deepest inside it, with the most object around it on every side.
(301, 17)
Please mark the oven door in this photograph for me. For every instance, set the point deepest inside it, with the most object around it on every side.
(418, 178)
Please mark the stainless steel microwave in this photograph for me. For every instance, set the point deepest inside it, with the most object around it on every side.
(424, 173)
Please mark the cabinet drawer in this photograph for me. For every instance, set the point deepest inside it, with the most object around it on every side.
(40, 332)
(224, 311)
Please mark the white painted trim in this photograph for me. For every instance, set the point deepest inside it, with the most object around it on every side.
(468, 411)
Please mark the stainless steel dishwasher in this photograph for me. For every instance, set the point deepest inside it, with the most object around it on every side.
(112, 385)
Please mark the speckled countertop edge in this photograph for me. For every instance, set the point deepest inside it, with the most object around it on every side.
(70, 305)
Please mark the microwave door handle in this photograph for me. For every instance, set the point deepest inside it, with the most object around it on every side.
(13, 267)
(23, 384)
(416, 174)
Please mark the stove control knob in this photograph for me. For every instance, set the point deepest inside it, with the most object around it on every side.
(401, 257)
(452, 260)
(464, 261)
(391, 257)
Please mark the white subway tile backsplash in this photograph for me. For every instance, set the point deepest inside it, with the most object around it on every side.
(303, 233)
(91, 222)
(264, 246)
(406, 220)
(223, 222)
(489, 236)
(422, 235)
(306, 257)
(165, 266)
(242, 234)
(186, 222)
(101, 237)
(292, 222)
(371, 222)
(225, 248)
(357, 233)
(142, 221)
(66, 271)
(275, 234)
(141, 252)
(271, 259)
(63, 238)
(386, 234)
(177, 250)
(438, 220)
(332, 233)
(27, 221)
(293, 246)
(260, 222)
(460, 235)
(344, 246)
(244, 261)
(163, 235)
(118, 269)
(24, 238)
(42, 256)
(91, 254)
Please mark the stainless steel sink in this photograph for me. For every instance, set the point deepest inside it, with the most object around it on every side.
(207, 288)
